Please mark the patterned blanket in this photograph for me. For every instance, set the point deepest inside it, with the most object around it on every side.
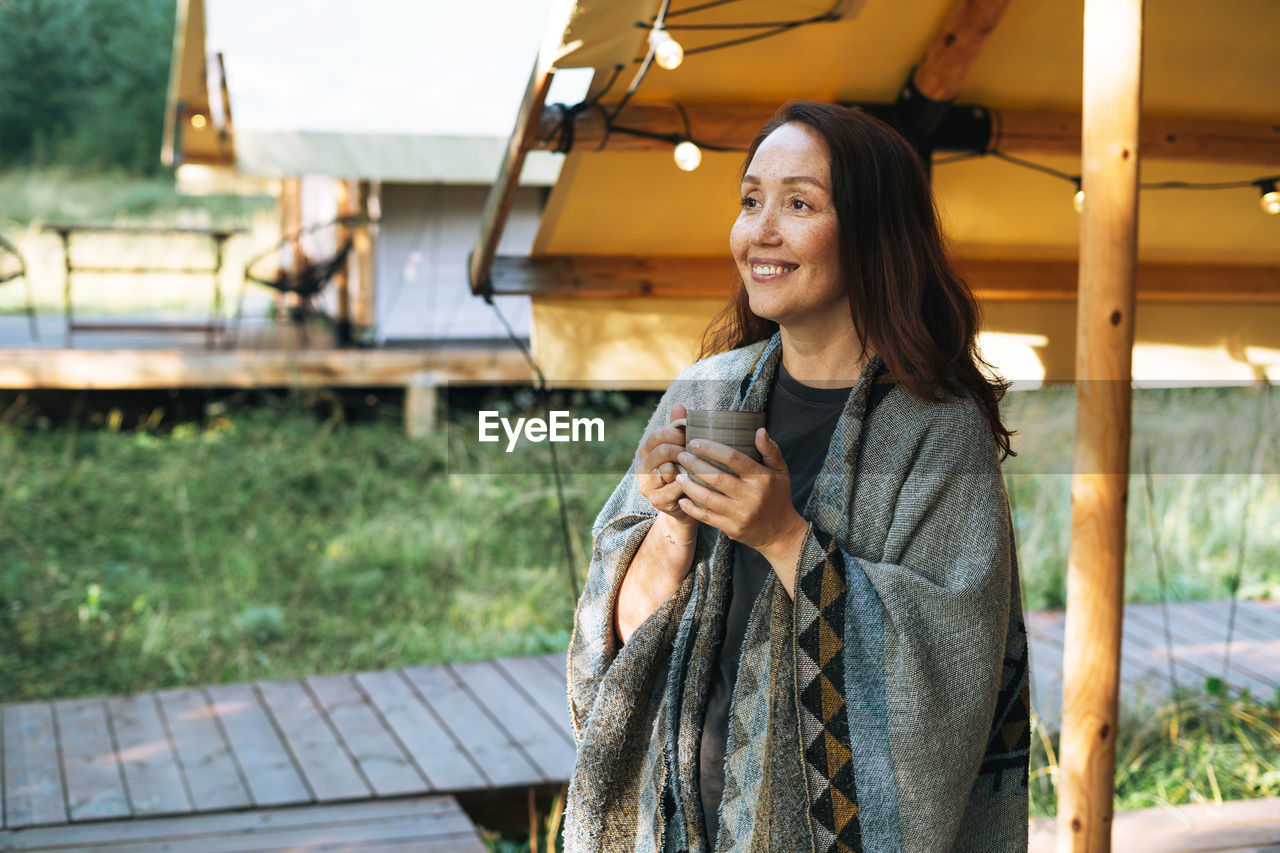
(885, 709)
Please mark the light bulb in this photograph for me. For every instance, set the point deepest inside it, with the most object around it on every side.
(1270, 200)
(1078, 201)
(688, 156)
(667, 52)
(198, 121)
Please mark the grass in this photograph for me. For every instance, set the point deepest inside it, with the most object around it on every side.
(1206, 748)
(282, 539)
(1209, 512)
(272, 542)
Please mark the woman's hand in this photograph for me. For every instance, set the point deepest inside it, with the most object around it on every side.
(656, 470)
(755, 505)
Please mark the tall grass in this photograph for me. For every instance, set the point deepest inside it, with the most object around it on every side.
(279, 540)
(1204, 748)
(272, 542)
(1213, 511)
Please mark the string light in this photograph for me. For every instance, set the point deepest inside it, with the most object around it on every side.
(688, 155)
(1270, 198)
(667, 52)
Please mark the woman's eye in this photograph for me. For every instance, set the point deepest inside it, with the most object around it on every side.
(748, 201)
(798, 204)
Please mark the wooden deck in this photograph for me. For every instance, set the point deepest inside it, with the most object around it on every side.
(434, 824)
(468, 727)
(268, 759)
(1249, 826)
(1199, 631)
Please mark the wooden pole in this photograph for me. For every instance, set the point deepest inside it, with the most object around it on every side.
(290, 224)
(363, 242)
(342, 278)
(1099, 487)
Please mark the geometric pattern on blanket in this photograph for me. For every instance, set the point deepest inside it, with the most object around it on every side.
(1007, 759)
(824, 719)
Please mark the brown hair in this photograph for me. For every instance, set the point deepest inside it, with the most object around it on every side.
(907, 301)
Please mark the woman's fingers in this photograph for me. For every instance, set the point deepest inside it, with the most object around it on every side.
(658, 456)
(715, 477)
(713, 500)
(735, 460)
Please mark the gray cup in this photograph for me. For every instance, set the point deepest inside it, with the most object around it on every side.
(736, 429)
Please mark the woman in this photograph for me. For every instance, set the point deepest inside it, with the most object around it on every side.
(830, 655)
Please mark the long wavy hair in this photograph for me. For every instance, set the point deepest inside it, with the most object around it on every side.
(906, 299)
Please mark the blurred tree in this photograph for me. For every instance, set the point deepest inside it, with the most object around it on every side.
(82, 82)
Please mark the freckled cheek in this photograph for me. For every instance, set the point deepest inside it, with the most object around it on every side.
(739, 241)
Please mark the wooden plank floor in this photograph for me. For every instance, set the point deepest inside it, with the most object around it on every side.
(432, 824)
(1199, 651)
(458, 728)
(1249, 826)
(464, 728)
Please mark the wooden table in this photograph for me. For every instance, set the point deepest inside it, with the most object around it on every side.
(213, 326)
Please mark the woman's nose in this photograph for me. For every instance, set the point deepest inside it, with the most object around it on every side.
(764, 230)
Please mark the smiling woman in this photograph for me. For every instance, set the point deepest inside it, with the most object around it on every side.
(777, 662)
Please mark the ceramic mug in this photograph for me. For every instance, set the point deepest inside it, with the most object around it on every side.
(734, 428)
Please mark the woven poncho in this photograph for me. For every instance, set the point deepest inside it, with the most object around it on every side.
(885, 709)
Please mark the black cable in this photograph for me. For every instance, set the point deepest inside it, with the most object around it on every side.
(698, 8)
(1222, 185)
(673, 138)
(1152, 185)
(644, 63)
(659, 22)
(1027, 164)
(555, 460)
(762, 25)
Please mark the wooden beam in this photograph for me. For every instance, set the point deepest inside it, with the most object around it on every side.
(117, 369)
(503, 192)
(1104, 374)
(1033, 132)
(614, 277)
(956, 46)
(1017, 132)
(713, 278)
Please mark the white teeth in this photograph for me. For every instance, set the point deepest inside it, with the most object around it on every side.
(768, 269)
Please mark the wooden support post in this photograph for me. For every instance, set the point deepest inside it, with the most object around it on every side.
(342, 278)
(503, 192)
(420, 404)
(363, 243)
(1099, 488)
(290, 224)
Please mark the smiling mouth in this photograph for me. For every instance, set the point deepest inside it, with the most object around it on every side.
(770, 270)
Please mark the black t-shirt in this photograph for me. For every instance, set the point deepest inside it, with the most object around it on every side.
(801, 419)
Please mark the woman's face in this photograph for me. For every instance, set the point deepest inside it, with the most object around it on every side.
(786, 240)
